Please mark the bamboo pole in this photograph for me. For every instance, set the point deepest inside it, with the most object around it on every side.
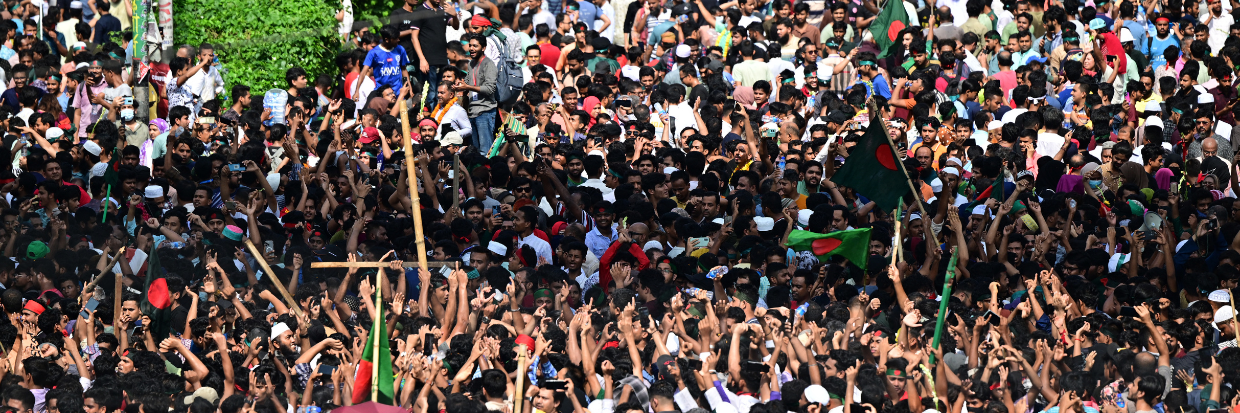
(406, 264)
(519, 395)
(116, 297)
(119, 253)
(262, 262)
(413, 187)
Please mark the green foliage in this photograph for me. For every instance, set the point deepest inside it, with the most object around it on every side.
(374, 10)
(258, 40)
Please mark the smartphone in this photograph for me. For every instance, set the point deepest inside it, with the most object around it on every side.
(235, 167)
(326, 369)
(992, 318)
(207, 120)
(90, 305)
(128, 100)
(555, 384)
(230, 205)
(758, 366)
(624, 103)
(693, 364)
(1128, 312)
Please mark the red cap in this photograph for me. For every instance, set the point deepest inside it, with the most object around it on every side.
(526, 340)
(479, 21)
(369, 135)
(558, 228)
(34, 307)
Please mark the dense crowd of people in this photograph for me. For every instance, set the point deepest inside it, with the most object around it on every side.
(630, 206)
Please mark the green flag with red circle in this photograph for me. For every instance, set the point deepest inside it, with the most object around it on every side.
(887, 25)
(853, 244)
(873, 169)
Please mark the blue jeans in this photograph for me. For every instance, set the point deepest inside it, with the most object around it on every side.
(432, 91)
(484, 130)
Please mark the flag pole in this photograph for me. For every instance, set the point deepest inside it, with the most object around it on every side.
(415, 209)
(262, 262)
(916, 196)
(374, 336)
(106, 197)
(943, 299)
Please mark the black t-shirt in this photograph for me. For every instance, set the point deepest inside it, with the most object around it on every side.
(432, 28)
(403, 20)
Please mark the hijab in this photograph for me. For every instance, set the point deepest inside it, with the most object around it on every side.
(1133, 173)
(1074, 184)
(1163, 179)
(744, 96)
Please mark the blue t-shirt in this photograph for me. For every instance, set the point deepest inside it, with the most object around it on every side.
(1157, 47)
(880, 86)
(387, 66)
(587, 12)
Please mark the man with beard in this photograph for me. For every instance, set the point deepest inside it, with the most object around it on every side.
(1160, 41)
(1219, 25)
(703, 205)
(811, 181)
(800, 24)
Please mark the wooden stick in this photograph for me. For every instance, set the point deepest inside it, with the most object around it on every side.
(415, 209)
(519, 395)
(406, 264)
(288, 298)
(91, 286)
(116, 297)
(874, 114)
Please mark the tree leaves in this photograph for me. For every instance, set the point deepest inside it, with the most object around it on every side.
(258, 40)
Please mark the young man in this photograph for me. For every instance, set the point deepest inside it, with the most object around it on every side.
(480, 88)
(386, 62)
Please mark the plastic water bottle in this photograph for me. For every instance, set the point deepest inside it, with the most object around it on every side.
(275, 100)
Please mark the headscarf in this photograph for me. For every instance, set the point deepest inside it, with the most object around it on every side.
(1133, 173)
(490, 24)
(1162, 178)
(160, 124)
(380, 105)
(588, 105)
(1071, 184)
(1089, 167)
(744, 96)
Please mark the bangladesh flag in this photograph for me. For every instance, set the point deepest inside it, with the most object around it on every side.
(372, 359)
(874, 170)
(853, 244)
(158, 302)
(887, 26)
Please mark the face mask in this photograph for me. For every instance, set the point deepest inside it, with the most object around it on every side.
(1095, 183)
(127, 114)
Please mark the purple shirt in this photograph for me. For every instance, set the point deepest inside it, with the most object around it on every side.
(90, 112)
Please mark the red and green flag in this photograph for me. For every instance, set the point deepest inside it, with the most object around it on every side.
(376, 363)
(887, 26)
(158, 301)
(853, 244)
(873, 169)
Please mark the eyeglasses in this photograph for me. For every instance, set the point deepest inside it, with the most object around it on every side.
(522, 189)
